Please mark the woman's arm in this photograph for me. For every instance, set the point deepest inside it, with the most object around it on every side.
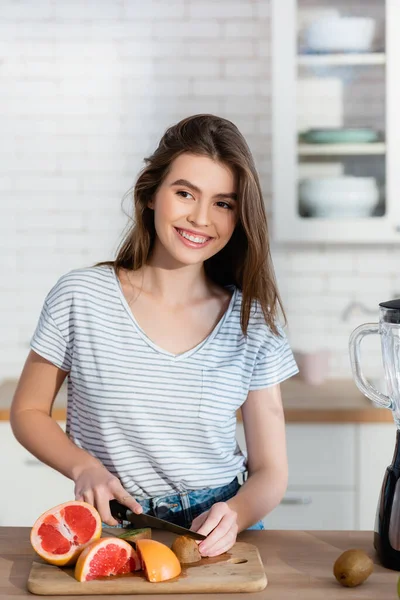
(32, 424)
(34, 428)
(264, 427)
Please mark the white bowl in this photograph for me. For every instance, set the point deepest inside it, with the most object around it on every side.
(342, 197)
(341, 183)
(340, 34)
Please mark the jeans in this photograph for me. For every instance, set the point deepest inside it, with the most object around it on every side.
(183, 507)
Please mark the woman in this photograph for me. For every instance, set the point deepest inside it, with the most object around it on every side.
(164, 344)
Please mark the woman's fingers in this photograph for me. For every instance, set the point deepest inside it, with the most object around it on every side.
(223, 534)
(120, 494)
(198, 521)
(223, 537)
(88, 496)
(214, 516)
(102, 499)
(221, 529)
(222, 546)
(100, 495)
(97, 486)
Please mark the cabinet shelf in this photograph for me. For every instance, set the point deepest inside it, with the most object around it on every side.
(341, 149)
(343, 59)
(323, 91)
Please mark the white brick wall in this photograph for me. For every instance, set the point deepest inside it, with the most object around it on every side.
(87, 88)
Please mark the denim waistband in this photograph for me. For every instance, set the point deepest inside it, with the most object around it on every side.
(183, 507)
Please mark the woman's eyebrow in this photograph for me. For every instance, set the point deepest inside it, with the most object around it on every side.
(192, 186)
(187, 183)
(231, 196)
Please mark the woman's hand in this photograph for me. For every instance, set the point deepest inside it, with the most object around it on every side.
(220, 526)
(97, 486)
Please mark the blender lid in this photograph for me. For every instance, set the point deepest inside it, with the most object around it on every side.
(391, 314)
(394, 304)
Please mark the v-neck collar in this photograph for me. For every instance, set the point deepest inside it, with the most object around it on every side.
(158, 349)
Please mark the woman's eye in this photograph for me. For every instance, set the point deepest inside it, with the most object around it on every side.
(224, 205)
(184, 194)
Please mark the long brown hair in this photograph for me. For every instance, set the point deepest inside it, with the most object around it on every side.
(246, 260)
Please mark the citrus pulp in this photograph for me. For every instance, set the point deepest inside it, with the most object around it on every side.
(108, 556)
(60, 534)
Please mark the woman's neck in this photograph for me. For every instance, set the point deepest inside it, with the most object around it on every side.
(174, 286)
(170, 281)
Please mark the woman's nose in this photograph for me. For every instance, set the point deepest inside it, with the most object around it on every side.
(199, 215)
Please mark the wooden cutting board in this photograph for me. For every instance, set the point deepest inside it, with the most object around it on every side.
(239, 570)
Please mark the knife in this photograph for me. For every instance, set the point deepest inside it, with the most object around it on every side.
(123, 513)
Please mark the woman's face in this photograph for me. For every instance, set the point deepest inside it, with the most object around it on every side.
(195, 209)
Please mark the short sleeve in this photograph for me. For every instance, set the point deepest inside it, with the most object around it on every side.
(49, 342)
(274, 362)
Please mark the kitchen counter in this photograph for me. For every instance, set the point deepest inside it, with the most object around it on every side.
(335, 401)
(298, 565)
(7, 390)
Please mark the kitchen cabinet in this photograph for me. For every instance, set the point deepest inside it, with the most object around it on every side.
(29, 487)
(335, 129)
(314, 509)
(335, 475)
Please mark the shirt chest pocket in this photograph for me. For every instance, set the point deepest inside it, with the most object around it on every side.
(224, 391)
(183, 394)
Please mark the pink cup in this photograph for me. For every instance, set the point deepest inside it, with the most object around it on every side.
(313, 366)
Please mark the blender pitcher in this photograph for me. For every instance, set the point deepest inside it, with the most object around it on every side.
(387, 523)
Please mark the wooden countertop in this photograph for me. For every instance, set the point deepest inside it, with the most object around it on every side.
(298, 565)
(335, 401)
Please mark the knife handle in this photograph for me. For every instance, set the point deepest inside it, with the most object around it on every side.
(118, 510)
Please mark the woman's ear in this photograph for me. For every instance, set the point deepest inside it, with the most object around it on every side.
(150, 204)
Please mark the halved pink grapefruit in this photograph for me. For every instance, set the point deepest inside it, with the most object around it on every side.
(61, 533)
(105, 557)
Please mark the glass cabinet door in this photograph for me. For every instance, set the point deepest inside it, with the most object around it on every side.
(335, 135)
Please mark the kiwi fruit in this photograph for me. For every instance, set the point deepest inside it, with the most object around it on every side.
(186, 550)
(352, 567)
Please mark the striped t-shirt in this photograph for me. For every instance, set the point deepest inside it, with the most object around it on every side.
(162, 423)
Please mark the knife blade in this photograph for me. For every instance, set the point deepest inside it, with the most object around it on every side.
(123, 513)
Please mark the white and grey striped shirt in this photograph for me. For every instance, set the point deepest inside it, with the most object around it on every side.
(162, 423)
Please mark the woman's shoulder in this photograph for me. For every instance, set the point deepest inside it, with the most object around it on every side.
(257, 328)
(81, 281)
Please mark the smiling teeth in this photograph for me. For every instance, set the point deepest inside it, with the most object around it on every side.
(193, 238)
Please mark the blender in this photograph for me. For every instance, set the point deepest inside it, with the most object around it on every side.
(387, 522)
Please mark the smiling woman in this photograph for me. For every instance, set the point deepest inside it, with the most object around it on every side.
(196, 195)
(162, 345)
(204, 218)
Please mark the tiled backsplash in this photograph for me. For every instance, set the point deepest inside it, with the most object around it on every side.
(87, 90)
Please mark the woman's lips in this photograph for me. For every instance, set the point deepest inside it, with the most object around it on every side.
(191, 243)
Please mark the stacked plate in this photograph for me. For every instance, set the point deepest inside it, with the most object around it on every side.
(338, 197)
(338, 135)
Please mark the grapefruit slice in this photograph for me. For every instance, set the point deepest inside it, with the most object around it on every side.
(60, 534)
(108, 556)
(157, 560)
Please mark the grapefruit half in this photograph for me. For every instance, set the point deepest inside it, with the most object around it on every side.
(60, 534)
(108, 556)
